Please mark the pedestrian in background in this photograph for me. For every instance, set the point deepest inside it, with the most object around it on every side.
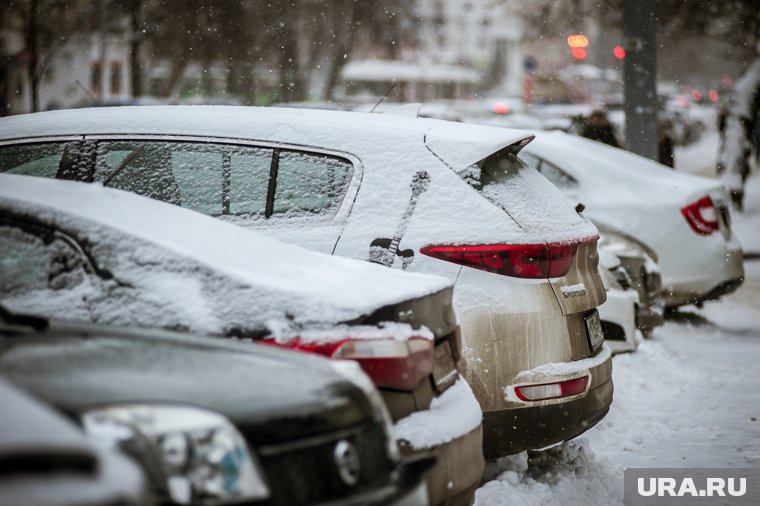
(599, 128)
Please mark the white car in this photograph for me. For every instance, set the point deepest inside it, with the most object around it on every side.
(416, 194)
(683, 218)
(619, 311)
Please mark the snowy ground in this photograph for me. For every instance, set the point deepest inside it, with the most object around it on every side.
(686, 398)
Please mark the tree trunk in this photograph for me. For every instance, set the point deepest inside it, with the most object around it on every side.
(32, 48)
(346, 35)
(134, 49)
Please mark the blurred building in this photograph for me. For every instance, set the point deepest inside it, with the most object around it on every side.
(483, 35)
(79, 71)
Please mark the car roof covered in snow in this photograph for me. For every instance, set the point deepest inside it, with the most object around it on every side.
(200, 272)
(457, 144)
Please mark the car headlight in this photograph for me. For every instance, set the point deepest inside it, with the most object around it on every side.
(201, 455)
(351, 371)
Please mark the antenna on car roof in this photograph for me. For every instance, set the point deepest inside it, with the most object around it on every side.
(92, 97)
(393, 87)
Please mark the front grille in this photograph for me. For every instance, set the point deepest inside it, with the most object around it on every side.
(305, 471)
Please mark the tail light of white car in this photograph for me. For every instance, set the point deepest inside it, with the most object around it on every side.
(533, 261)
(546, 391)
(389, 363)
(702, 216)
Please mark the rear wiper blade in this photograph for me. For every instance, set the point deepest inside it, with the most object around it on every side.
(123, 164)
(25, 321)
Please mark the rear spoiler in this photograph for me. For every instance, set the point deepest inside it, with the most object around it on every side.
(459, 145)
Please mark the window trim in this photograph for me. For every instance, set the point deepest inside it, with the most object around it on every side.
(344, 210)
(40, 140)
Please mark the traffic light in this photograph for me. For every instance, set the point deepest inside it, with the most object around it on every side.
(578, 44)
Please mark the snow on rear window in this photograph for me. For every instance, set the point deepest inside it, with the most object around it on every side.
(40, 159)
(525, 195)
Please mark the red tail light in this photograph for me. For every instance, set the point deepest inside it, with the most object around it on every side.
(702, 216)
(389, 362)
(552, 260)
(552, 390)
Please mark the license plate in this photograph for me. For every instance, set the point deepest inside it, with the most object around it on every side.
(444, 369)
(594, 331)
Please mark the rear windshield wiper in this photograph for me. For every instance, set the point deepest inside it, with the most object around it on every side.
(123, 164)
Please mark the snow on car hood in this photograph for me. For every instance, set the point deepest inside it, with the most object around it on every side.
(180, 269)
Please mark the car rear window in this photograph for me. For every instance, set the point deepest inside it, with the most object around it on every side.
(522, 192)
(38, 159)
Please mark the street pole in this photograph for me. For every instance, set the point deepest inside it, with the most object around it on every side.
(640, 79)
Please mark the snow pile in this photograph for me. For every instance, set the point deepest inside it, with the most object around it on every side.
(451, 415)
(384, 330)
(565, 368)
(566, 475)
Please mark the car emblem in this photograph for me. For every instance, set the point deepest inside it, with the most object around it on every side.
(347, 461)
(573, 290)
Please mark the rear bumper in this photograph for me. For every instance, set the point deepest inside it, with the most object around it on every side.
(458, 470)
(515, 430)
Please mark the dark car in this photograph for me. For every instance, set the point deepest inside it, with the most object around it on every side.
(216, 421)
(45, 460)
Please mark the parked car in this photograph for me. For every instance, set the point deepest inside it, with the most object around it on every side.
(641, 271)
(215, 422)
(108, 256)
(683, 218)
(48, 461)
(418, 194)
(619, 311)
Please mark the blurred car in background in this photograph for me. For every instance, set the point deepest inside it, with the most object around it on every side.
(48, 461)
(684, 219)
(642, 273)
(418, 194)
(96, 254)
(210, 421)
(619, 311)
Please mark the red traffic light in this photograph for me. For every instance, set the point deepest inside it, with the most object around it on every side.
(619, 52)
(578, 53)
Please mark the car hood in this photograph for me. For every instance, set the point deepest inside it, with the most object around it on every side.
(179, 268)
(272, 395)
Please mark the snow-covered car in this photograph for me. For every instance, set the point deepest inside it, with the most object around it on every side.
(417, 194)
(619, 311)
(124, 259)
(683, 218)
(48, 461)
(301, 431)
(639, 271)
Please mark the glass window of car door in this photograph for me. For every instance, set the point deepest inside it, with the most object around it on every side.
(37, 159)
(214, 179)
(310, 183)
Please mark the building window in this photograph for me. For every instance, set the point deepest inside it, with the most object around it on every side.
(116, 78)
